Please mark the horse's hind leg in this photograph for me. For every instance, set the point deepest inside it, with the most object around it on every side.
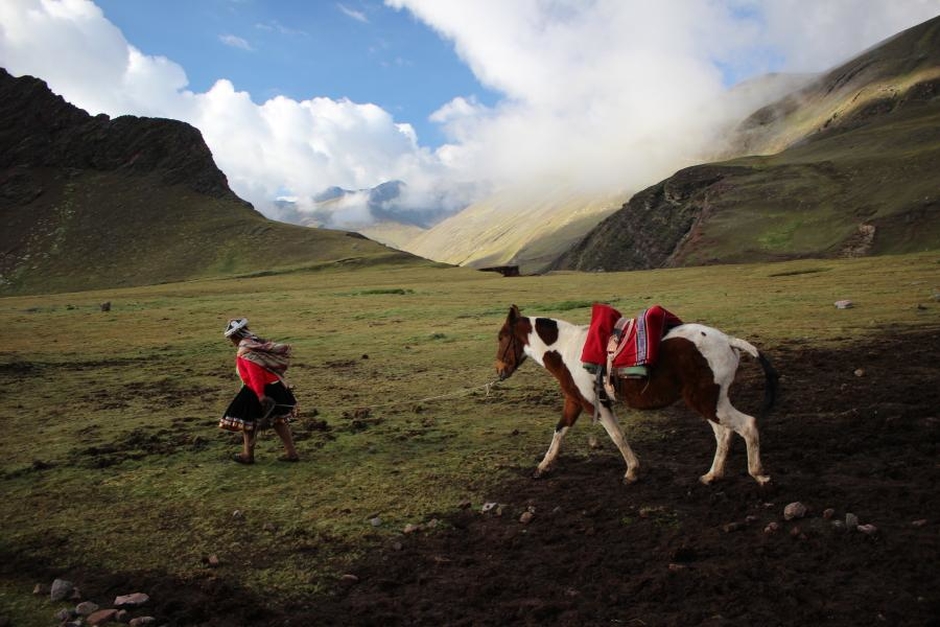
(722, 444)
(612, 426)
(745, 426)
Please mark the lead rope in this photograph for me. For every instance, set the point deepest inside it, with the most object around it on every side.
(486, 386)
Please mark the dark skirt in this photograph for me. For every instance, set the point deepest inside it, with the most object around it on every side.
(245, 413)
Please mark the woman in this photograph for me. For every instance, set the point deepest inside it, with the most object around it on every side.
(264, 399)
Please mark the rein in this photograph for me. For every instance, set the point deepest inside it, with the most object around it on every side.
(486, 386)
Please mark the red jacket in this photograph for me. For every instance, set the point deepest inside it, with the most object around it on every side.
(254, 376)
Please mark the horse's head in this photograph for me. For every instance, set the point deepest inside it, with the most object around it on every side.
(513, 338)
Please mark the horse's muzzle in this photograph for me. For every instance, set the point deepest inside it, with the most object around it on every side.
(503, 371)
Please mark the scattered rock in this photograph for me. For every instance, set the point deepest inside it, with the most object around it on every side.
(677, 568)
(772, 528)
(920, 522)
(102, 616)
(859, 372)
(63, 615)
(411, 528)
(86, 608)
(526, 517)
(844, 304)
(349, 579)
(142, 621)
(61, 589)
(131, 600)
(376, 521)
(851, 521)
(828, 513)
(40, 588)
(213, 561)
(238, 514)
(733, 526)
(488, 507)
(794, 511)
(868, 530)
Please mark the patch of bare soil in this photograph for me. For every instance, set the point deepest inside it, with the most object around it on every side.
(854, 430)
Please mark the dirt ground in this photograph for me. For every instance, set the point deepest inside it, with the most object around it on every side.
(854, 430)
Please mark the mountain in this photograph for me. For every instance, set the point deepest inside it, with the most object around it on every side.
(526, 227)
(848, 165)
(92, 202)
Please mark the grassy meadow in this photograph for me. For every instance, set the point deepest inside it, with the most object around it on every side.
(112, 461)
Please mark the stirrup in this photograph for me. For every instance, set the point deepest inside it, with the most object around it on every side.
(599, 387)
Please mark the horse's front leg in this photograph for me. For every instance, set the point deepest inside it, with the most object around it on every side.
(569, 416)
(612, 426)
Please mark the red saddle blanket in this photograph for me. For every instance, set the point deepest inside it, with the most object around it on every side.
(640, 337)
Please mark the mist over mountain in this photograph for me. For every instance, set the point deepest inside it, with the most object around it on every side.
(847, 166)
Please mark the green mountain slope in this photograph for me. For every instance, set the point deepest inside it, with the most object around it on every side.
(89, 202)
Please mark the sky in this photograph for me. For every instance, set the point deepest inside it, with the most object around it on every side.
(456, 98)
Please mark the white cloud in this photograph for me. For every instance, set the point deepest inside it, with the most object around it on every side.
(235, 42)
(609, 93)
(359, 16)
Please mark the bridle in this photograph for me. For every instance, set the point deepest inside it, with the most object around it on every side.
(518, 356)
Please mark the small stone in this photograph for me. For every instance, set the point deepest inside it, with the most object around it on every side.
(375, 522)
(828, 513)
(851, 521)
(411, 528)
(488, 507)
(921, 522)
(63, 615)
(732, 526)
(859, 372)
(838, 525)
(794, 510)
(844, 304)
(434, 523)
(526, 517)
(772, 528)
(102, 616)
(142, 621)
(676, 568)
(349, 579)
(86, 608)
(751, 519)
(60, 590)
(238, 514)
(868, 530)
(213, 561)
(131, 600)
(40, 589)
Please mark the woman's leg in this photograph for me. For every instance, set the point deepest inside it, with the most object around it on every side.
(248, 445)
(284, 432)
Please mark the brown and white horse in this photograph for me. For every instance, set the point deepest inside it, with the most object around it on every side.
(696, 363)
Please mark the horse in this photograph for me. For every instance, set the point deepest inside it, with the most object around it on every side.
(696, 363)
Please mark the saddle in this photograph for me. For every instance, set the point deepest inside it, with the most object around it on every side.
(619, 347)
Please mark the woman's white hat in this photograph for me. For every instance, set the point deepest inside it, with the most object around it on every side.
(235, 325)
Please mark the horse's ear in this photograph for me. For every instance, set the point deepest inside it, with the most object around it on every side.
(514, 313)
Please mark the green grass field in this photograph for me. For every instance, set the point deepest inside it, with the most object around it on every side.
(112, 459)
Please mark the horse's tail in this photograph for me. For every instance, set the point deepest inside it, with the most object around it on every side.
(771, 378)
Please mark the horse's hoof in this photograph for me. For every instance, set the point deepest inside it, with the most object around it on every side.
(762, 479)
(708, 479)
(538, 473)
(629, 478)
